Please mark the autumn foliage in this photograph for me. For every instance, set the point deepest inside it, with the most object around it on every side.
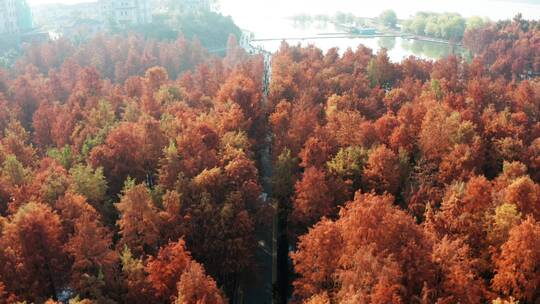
(118, 157)
(412, 178)
(133, 171)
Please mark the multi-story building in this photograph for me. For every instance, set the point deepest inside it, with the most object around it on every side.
(126, 12)
(15, 17)
(58, 16)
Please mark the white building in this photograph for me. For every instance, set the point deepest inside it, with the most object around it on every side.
(58, 16)
(126, 12)
(7, 17)
(15, 17)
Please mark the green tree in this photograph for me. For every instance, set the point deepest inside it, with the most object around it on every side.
(64, 156)
(475, 22)
(88, 182)
(349, 163)
(432, 27)
(500, 223)
(133, 278)
(13, 171)
(284, 175)
(388, 18)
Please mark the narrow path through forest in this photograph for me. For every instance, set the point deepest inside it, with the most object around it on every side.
(261, 291)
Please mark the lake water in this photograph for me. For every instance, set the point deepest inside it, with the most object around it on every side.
(270, 19)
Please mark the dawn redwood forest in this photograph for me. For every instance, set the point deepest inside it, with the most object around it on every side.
(131, 172)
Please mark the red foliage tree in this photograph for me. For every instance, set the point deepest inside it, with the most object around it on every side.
(164, 271)
(131, 149)
(317, 195)
(94, 260)
(517, 267)
(525, 194)
(460, 278)
(370, 225)
(196, 287)
(383, 171)
(33, 243)
(139, 221)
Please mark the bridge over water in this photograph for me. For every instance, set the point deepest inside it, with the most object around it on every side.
(354, 36)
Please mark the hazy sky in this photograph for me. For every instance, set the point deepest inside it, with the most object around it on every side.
(495, 9)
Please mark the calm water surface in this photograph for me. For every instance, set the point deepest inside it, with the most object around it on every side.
(269, 19)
